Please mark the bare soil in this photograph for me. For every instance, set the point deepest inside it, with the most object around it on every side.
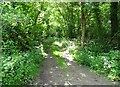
(52, 73)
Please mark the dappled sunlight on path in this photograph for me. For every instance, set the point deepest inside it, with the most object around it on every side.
(53, 73)
(67, 55)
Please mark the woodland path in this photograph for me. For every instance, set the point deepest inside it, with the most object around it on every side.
(52, 73)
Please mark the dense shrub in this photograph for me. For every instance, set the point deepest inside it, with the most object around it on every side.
(20, 67)
(106, 63)
(83, 58)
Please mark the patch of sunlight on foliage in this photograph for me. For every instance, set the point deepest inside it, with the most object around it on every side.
(64, 54)
(67, 55)
(62, 63)
(55, 23)
(72, 48)
(69, 64)
(64, 43)
(55, 48)
(68, 47)
(57, 43)
(57, 53)
(42, 50)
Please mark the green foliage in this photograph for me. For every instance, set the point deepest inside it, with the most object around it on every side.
(48, 43)
(105, 63)
(113, 64)
(27, 25)
(20, 67)
(83, 58)
(92, 55)
(61, 63)
(18, 27)
(55, 48)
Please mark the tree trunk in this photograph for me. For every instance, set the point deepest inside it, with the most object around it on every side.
(83, 24)
(114, 18)
(114, 23)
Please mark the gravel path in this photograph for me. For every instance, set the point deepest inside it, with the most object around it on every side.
(70, 74)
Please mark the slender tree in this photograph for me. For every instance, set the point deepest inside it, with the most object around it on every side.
(114, 18)
(114, 21)
(83, 24)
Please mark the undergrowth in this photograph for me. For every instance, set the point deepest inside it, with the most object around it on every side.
(20, 67)
(93, 55)
(107, 63)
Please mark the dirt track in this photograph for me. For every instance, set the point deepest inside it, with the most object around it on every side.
(53, 74)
